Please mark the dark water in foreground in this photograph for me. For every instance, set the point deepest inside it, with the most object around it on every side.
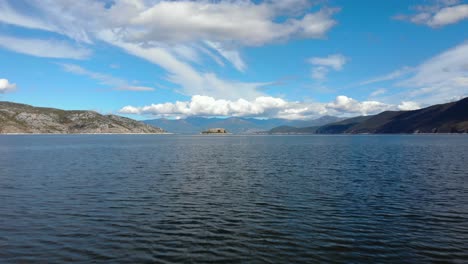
(146, 198)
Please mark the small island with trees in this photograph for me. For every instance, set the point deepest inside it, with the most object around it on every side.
(215, 131)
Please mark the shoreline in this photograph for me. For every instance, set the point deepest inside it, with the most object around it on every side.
(228, 134)
(37, 134)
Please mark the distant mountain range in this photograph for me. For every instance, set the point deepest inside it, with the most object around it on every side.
(236, 125)
(442, 118)
(21, 118)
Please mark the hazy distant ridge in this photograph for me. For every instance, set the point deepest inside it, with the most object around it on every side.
(236, 125)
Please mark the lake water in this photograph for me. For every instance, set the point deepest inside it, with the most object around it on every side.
(170, 198)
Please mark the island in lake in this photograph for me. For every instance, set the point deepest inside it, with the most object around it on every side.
(215, 131)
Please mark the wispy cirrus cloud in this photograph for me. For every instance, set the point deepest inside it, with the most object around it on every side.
(441, 78)
(175, 34)
(190, 80)
(44, 48)
(9, 15)
(378, 92)
(404, 71)
(115, 83)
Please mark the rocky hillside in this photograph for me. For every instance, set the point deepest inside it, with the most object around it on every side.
(20, 118)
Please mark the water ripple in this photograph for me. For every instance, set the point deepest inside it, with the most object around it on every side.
(266, 199)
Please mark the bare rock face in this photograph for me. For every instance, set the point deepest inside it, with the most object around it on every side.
(20, 118)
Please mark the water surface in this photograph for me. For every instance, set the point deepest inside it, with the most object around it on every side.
(169, 198)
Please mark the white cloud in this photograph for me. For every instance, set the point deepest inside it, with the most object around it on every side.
(460, 81)
(186, 21)
(335, 61)
(175, 34)
(378, 92)
(408, 105)
(6, 86)
(177, 21)
(439, 78)
(442, 13)
(346, 104)
(190, 80)
(391, 76)
(44, 48)
(208, 106)
(185, 52)
(291, 7)
(324, 64)
(232, 56)
(319, 73)
(9, 16)
(116, 83)
(259, 107)
(449, 15)
(134, 88)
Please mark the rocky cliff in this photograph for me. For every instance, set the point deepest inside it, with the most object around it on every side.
(21, 118)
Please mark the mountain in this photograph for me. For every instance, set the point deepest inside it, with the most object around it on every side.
(236, 125)
(443, 118)
(21, 118)
(316, 122)
(293, 130)
(194, 125)
(305, 127)
(341, 126)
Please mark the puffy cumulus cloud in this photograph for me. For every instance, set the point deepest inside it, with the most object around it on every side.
(440, 14)
(176, 34)
(405, 106)
(268, 107)
(344, 104)
(208, 106)
(44, 48)
(6, 86)
(116, 83)
(322, 65)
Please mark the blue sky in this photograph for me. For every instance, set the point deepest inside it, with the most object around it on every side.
(294, 59)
